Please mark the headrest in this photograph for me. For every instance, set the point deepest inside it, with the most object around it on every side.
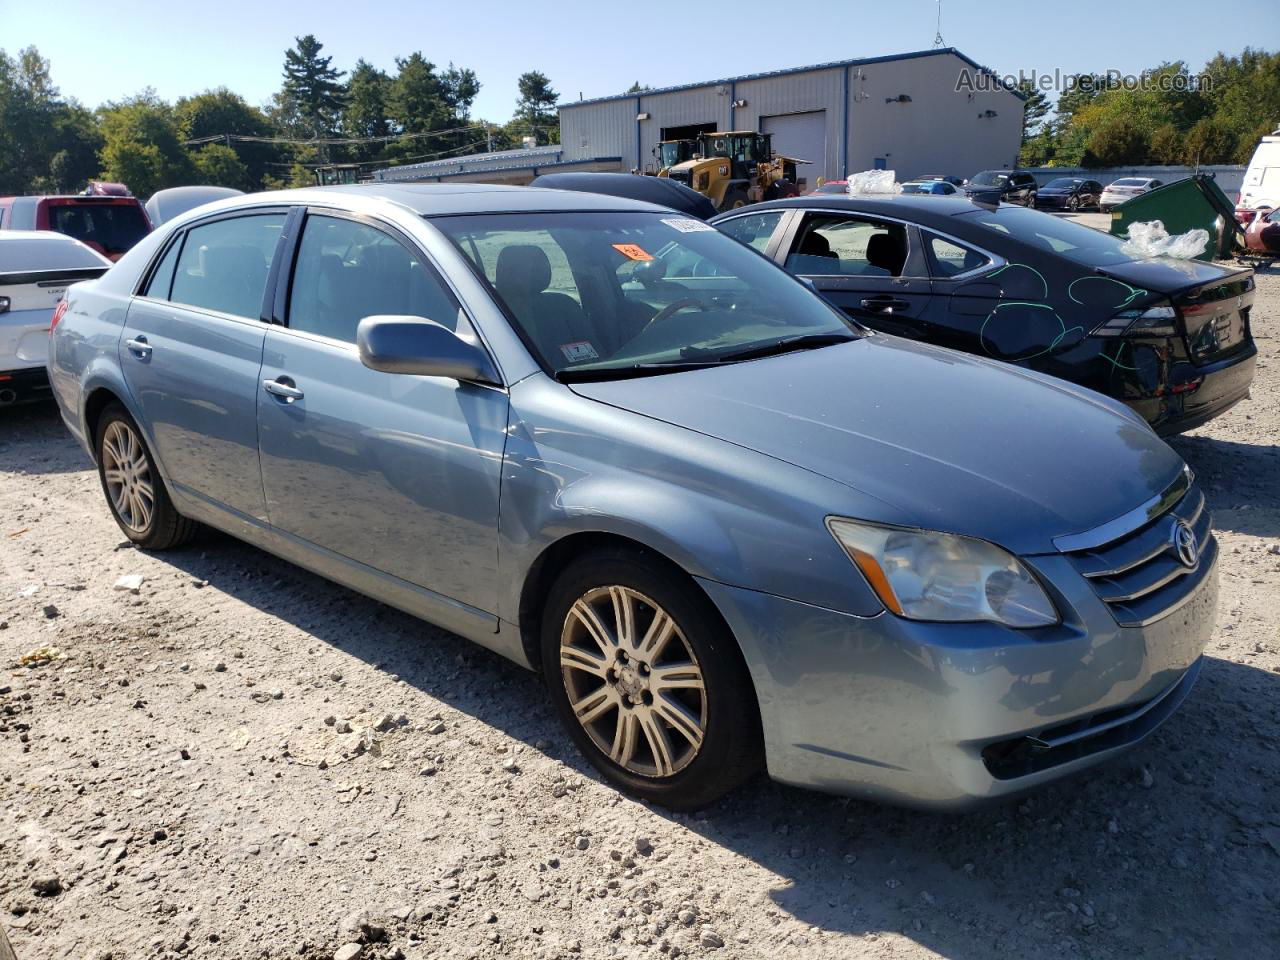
(523, 270)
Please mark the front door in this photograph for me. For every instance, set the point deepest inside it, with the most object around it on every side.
(191, 350)
(872, 269)
(397, 472)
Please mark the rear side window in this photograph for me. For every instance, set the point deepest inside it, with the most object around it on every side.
(223, 265)
(347, 271)
(949, 259)
(161, 281)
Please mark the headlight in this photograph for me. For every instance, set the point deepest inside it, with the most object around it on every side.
(923, 575)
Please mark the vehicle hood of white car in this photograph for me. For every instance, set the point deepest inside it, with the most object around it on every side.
(956, 442)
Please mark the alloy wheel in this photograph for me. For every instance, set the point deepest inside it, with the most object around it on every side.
(633, 681)
(127, 474)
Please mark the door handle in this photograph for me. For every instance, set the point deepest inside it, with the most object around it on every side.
(884, 304)
(282, 388)
(139, 347)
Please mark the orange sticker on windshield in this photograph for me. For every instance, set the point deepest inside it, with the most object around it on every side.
(632, 252)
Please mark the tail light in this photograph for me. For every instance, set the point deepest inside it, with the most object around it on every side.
(1155, 321)
(58, 311)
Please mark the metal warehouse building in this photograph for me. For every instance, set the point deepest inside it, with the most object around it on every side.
(934, 111)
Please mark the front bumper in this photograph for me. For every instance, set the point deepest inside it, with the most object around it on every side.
(935, 715)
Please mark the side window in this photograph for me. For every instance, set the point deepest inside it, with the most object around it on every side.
(347, 271)
(162, 280)
(949, 259)
(223, 265)
(755, 230)
(848, 246)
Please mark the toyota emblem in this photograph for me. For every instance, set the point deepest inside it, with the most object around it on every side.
(1185, 545)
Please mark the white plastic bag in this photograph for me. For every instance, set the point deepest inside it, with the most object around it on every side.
(873, 181)
(1151, 239)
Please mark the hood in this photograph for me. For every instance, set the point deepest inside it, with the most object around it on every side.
(1055, 191)
(1167, 275)
(944, 440)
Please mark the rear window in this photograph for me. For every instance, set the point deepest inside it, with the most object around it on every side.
(1129, 182)
(51, 253)
(111, 227)
(1053, 235)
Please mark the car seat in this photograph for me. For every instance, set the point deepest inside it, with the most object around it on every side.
(888, 252)
(551, 320)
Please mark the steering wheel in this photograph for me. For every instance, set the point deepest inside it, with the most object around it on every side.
(671, 309)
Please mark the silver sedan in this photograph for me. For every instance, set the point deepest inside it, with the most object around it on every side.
(732, 529)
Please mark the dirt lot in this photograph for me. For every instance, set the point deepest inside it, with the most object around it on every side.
(241, 760)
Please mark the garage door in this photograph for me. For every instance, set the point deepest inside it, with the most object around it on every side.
(802, 135)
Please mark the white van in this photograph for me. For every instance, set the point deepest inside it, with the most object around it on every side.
(1261, 186)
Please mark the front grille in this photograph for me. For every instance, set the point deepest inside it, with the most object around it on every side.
(1139, 574)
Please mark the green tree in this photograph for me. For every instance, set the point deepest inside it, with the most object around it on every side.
(219, 166)
(366, 112)
(417, 96)
(1035, 145)
(142, 145)
(535, 110)
(47, 144)
(1117, 141)
(312, 86)
(218, 113)
(637, 87)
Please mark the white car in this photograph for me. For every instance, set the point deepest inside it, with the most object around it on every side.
(1126, 188)
(36, 267)
(1261, 187)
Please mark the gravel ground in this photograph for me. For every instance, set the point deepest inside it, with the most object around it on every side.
(237, 759)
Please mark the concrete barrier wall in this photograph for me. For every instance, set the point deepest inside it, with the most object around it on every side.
(1228, 177)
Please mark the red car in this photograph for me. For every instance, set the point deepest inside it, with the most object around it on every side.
(106, 217)
(1263, 232)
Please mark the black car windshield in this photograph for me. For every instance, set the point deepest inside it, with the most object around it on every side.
(1064, 182)
(612, 293)
(989, 178)
(1051, 234)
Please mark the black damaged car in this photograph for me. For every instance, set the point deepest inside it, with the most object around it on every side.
(1170, 338)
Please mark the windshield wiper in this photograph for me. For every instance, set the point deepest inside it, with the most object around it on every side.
(583, 375)
(803, 341)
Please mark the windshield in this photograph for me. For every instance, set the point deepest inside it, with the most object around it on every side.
(673, 153)
(1063, 182)
(1044, 231)
(989, 178)
(917, 187)
(49, 252)
(111, 227)
(593, 293)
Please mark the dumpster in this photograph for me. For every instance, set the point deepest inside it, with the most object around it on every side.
(1185, 205)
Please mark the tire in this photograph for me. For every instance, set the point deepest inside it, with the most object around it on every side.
(683, 748)
(1031, 201)
(734, 199)
(135, 492)
(1073, 204)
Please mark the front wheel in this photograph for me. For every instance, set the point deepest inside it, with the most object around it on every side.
(134, 489)
(1073, 204)
(734, 199)
(648, 681)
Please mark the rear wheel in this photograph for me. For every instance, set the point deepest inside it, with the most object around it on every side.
(648, 681)
(134, 489)
(734, 199)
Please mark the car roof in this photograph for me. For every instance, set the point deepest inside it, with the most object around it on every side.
(447, 199)
(915, 206)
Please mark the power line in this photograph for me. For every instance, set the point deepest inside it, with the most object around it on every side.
(227, 138)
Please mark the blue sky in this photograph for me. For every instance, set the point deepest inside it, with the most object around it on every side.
(108, 51)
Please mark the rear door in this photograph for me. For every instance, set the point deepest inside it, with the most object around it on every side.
(871, 268)
(191, 352)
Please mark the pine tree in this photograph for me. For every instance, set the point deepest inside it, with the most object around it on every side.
(313, 86)
(536, 107)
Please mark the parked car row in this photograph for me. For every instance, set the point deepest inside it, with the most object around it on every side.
(733, 522)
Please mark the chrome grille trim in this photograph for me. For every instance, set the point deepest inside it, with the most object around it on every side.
(1126, 523)
(1138, 574)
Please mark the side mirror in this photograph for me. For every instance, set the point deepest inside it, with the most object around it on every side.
(421, 347)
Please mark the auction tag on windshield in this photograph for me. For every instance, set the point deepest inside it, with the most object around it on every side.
(632, 252)
(579, 350)
(685, 225)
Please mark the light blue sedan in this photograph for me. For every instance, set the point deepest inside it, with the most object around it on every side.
(731, 528)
